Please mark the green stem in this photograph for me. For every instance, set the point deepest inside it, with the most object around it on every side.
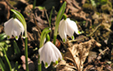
(10, 68)
(64, 16)
(47, 37)
(54, 40)
(39, 64)
(22, 19)
(44, 34)
(26, 51)
(34, 4)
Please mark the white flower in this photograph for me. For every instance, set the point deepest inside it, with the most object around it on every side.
(13, 27)
(67, 27)
(49, 53)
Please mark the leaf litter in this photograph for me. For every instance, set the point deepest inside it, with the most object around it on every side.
(90, 51)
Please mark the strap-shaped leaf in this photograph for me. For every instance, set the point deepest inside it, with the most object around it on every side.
(59, 16)
(2, 65)
(16, 48)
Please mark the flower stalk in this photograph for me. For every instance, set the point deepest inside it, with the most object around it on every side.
(42, 38)
(22, 19)
(26, 54)
(59, 16)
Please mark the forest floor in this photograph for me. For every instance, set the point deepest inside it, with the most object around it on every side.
(89, 51)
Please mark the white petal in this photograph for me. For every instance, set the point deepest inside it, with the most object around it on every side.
(18, 27)
(13, 27)
(72, 27)
(57, 53)
(49, 53)
(62, 29)
(44, 54)
(7, 26)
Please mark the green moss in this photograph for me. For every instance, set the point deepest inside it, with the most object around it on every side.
(12, 3)
(88, 7)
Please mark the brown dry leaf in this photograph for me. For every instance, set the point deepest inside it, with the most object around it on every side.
(83, 1)
(63, 66)
(4, 11)
(77, 54)
(92, 55)
(21, 4)
(28, 12)
(39, 17)
(74, 8)
(35, 16)
(1, 28)
(88, 67)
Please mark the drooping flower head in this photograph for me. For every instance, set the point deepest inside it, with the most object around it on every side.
(67, 27)
(49, 53)
(13, 27)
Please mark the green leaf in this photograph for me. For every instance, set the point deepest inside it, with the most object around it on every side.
(16, 48)
(2, 36)
(16, 67)
(2, 65)
(41, 8)
(50, 16)
(34, 4)
(59, 16)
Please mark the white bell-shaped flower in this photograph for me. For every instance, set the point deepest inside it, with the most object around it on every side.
(13, 27)
(67, 27)
(49, 53)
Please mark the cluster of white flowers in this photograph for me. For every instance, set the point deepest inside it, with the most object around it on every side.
(49, 52)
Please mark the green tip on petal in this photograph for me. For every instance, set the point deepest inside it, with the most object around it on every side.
(8, 37)
(46, 65)
(23, 37)
(56, 62)
(16, 37)
(63, 40)
(79, 32)
(72, 37)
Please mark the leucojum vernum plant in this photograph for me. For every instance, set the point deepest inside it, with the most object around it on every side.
(48, 52)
